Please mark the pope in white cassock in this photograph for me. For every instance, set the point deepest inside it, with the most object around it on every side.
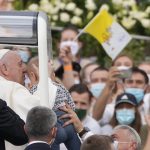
(12, 75)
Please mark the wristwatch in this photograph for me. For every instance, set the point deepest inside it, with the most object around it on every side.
(83, 131)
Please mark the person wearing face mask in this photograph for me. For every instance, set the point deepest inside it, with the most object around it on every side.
(82, 98)
(67, 38)
(145, 66)
(98, 77)
(126, 113)
(126, 138)
(73, 44)
(104, 105)
(69, 71)
(137, 85)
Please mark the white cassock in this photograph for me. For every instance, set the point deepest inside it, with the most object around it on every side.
(21, 101)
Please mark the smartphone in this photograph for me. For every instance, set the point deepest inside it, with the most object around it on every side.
(125, 72)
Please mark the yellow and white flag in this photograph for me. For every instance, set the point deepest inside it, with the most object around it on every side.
(109, 33)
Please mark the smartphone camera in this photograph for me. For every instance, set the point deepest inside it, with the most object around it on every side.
(125, 72)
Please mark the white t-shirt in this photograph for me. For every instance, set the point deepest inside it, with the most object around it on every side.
(108, 114)
(92, 124)
(107, 129)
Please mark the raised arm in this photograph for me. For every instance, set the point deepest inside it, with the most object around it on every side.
(66, 57)
(106, 94)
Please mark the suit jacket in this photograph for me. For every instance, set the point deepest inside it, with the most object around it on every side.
(38, 146)
(11, 127)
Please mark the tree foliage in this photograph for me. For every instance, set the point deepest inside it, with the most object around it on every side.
(133, 15)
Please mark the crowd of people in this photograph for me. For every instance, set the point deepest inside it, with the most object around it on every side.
(89, 106)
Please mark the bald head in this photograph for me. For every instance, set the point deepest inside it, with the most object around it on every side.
(11, 66)
(33, 66)
(3, 52)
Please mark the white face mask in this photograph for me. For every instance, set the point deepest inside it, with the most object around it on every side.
(76, 81)
(74, 46)
(116, 144)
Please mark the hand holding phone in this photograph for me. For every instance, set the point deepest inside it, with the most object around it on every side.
(125, 72)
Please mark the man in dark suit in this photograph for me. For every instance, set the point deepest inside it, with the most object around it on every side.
(40, 128)
(11, 127)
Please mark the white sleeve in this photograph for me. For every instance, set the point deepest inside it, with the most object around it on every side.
(22, 101)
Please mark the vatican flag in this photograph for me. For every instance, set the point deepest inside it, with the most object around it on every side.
(108, 32)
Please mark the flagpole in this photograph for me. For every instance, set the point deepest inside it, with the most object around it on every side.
(78, 35)
(81, 32)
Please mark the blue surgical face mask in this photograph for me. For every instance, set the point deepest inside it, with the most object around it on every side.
(24, 55)
(97, 88)
(137, 92)
(125, 116)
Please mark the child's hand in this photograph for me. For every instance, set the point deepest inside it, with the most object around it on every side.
(62, 107)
